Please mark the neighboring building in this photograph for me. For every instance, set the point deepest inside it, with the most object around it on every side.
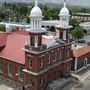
(86, 26)
(50, 24)
(32, 59)
(85, 17)
(12, 58)
(13, 26)
(81, 57)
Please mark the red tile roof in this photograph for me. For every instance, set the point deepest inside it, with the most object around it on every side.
(81, 51)
(3, 39)
(15, 42)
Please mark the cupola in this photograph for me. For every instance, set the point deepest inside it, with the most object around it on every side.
(64, 27)
(64, 11)
(36, 11)
(36, 31)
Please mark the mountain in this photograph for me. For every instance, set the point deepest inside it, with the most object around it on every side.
(85, 3)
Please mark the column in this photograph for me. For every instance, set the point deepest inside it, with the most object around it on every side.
(76, 64)
(85, 62)
(34, 24)
(57, 33)
(31, 24)
(64, 35)
(37, 24)
(36, 41)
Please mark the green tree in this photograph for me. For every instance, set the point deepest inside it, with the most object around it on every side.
(2, 15)
(17, 17)
(51, 13)
(77, 33)
(27, 20)
(83, 10)
(74, 23)
(75, 9)
(2, 28)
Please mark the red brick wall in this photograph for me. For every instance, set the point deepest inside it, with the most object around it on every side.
(15, 71)
(53, 73)
(32, 39)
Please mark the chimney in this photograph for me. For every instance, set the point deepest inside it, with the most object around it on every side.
(3, 40)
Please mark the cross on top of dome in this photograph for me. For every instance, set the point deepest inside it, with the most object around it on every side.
(64, 3)
(36, 2)
(64, 11)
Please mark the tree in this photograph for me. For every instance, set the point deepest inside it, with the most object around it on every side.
(83, 10)
(17, 17)
(74, 23)
(51, 13)
(77, 33)
(2, 15)
(27, 20)
(2, 28)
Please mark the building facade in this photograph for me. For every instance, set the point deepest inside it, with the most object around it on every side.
(84, 17)
(81, 58)
(43, 64)
(27, 59)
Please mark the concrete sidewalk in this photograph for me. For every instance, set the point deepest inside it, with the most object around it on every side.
(6, 84)
(4, 87)
(82, 75)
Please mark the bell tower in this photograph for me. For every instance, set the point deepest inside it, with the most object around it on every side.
(36, 30)
(34, 48)
(64, 27)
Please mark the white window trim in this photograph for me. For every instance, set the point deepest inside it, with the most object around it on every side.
(41, 63)
(30, 63)
(55, 56)
(8, 70)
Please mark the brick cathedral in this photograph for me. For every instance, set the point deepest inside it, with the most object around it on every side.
(31, 60)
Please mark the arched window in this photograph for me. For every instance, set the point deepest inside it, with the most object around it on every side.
(10, 69)
(41, 62)
(1, 65)
(41, 81)
(30, 62)
(21, 73)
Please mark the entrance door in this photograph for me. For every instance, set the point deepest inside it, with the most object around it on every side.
(85, 62)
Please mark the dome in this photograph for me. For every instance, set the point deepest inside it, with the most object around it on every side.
(36, 11)
(64, 11)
